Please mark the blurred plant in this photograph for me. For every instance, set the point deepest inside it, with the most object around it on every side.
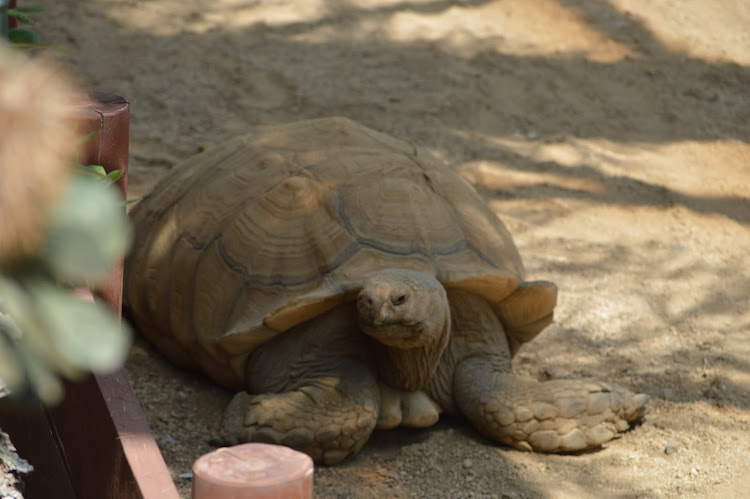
(60, 230)
(24, 37)
(96, 171)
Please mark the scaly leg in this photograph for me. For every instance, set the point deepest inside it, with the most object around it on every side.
(549, 416)
(474, 379)
(314, 388)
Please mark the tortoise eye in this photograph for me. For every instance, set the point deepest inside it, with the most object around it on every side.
(399, 300)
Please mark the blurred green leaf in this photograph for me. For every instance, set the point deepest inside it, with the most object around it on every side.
(86, 137)
(84, 334)
(40, 376)
(53, 333)
(114, 176)
(88, 231)
(23, 36)
(17, 302)
(34, 352)
(95, 170)
(29, 9)
(11, 370)
(98, 172)
(20, 16)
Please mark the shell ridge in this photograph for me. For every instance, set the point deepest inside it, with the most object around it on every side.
(172, 179)
(272, 280)
(230, 315)
(230, 262)
(166, 313)
(276, 280)
(193, 333)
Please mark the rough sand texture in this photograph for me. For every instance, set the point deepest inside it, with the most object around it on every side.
(611, 136)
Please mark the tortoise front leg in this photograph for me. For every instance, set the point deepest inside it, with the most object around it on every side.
(474, 378)
(549, 416)
(313, 388)
(329, 419)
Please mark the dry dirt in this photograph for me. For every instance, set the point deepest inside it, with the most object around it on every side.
(612, 137)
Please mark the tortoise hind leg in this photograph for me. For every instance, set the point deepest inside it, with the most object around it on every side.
(312, 388)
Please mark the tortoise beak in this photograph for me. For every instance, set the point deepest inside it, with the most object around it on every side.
(383, 315)
(373, 312)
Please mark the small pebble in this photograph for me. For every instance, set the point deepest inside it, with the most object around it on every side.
(187, 475)
(670, 448)
(467, 463)
(694, 472)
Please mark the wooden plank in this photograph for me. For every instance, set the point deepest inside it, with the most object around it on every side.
(105, 439)
(35, 441)
(108, 446)
(135, 437)
(90, 444)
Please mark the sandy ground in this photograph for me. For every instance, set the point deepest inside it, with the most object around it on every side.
(610, 136)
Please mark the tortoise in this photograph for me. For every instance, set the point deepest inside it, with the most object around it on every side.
(343, 280)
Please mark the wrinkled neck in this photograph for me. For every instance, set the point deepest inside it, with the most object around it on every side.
(411, 368)
(477, 334)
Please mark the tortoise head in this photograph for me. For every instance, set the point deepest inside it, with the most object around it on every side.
(407, 312)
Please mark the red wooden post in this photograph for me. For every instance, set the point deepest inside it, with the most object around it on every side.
(108, 116)
(11, 20)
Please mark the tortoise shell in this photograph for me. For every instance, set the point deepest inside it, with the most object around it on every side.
(268, 230)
